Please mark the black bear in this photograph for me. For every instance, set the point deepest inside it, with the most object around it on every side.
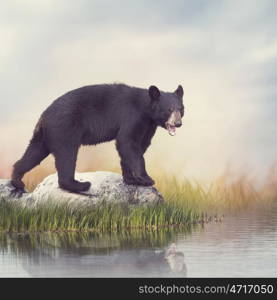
(95, 114)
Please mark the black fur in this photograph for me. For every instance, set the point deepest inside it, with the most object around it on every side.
(95, 114)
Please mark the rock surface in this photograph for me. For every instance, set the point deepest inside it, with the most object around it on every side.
(105, 187)
(7, 194)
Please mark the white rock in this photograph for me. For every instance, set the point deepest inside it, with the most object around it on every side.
(5, 188)
(7, 194)
(105, 187)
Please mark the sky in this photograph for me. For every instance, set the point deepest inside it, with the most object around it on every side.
(223, 52)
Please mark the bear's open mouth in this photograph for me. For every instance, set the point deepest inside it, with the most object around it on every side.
(170, 128)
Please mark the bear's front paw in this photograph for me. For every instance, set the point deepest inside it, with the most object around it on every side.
(17, 192)
(139, 180)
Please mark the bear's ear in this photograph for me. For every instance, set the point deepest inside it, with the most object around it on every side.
(154, 92)
(179, 92)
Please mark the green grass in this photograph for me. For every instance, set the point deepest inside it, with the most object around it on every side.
(114, 217)
(186, 203)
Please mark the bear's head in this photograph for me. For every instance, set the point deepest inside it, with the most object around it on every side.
(167, 109)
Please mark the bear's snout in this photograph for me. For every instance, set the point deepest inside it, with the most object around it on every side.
(177, 119)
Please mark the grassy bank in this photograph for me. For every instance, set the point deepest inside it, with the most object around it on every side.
(186, 203)
(105, 217)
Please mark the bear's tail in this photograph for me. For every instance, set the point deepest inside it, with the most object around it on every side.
(38, 133)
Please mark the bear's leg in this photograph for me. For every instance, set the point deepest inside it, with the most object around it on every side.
(132, 163)
(34, 154)
(65, 159)
(145, 143)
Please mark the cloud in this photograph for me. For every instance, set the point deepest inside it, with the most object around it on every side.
(223, 52)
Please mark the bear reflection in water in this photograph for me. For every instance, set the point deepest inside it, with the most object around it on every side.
(120, 263)
(99, 259)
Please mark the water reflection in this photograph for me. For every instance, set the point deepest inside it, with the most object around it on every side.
(244, 245)
(136, 254)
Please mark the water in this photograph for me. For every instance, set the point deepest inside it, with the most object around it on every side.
(241, 246)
